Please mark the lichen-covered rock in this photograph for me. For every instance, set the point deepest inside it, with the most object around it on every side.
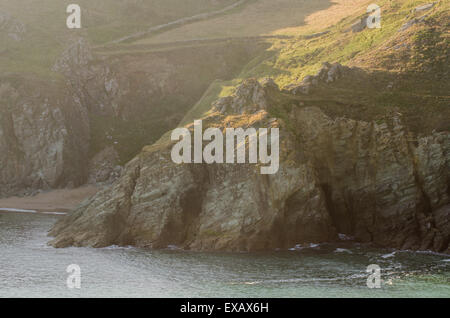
(368, 180)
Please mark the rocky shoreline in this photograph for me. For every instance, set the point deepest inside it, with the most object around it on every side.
(370, 180)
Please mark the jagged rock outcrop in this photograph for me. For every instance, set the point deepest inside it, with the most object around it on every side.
(359, 25)
(104, 167)
(417, 20)
(44, 139)
(45, 127)
(327, 74)
(250, 97)
(373, 181)
(90, 80)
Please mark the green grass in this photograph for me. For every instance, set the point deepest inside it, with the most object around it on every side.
(297, 58)
(420, 92)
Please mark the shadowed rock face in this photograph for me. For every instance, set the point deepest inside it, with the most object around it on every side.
(44, 138)
(45, 127)
(373, 181)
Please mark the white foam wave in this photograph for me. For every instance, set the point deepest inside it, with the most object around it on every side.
(17, 210)
(30, 211)
(54, 213)
(388, 255)
(343, 250)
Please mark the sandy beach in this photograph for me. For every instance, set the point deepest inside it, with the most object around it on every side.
(62, 200)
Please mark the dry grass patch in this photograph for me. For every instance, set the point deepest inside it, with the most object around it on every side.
(259, 17)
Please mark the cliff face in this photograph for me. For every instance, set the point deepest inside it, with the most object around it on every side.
(44, 138)
(377, 180)
(371, 180)
(53, 130)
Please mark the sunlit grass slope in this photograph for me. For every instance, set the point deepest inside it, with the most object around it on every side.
(414, 61)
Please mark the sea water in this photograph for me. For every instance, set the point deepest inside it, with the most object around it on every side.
(31, 268)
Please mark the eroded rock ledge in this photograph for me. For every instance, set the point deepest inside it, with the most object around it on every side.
(373, 181)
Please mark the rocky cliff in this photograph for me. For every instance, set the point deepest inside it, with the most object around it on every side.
(44, 137)
(53, 130)
(364, 146)
(374, 181)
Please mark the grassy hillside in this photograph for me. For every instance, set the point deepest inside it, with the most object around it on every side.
(403, 70)
(406, 70)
